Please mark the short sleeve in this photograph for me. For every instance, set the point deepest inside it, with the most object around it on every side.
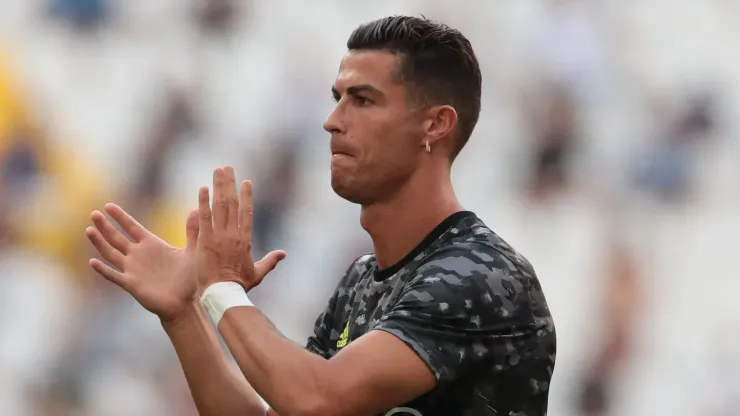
(468, 306)
(320, 342)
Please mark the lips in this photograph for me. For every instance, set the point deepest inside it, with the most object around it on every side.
(339, 150)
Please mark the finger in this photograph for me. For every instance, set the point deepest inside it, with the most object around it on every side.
(268, 263)
(127, 222)
(111, 274)
(220, 208)
(104, 248)
(246, 212)
(232, 199)
(191, 230)
(204, 213)
(110, 233)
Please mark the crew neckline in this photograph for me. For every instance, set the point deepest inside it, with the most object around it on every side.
(440, 229)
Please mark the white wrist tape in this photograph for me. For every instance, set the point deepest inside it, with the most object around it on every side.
(219, 297)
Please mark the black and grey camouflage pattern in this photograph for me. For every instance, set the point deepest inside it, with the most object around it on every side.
(471, 307)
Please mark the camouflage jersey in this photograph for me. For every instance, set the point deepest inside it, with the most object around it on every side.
(469, 305)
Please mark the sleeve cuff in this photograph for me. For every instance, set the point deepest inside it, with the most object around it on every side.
(423, 353)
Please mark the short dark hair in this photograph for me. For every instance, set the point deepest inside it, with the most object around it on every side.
(437, 64)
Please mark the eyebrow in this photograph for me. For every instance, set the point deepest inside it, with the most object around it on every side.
(355, 90)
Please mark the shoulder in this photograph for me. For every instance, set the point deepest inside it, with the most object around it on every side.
(479, 274)
(362, 264)
(356, 271)
(479, 252)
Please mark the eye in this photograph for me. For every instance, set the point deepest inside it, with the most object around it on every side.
(362, 101)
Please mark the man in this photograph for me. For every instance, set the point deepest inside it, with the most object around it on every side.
(444, 318)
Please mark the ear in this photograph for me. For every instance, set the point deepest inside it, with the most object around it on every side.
(440, 122)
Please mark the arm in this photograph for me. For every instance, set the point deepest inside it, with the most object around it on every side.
(217, 388)
(492, 315)
(372, 374)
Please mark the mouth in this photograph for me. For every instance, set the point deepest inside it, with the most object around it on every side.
(339, 153)
(339, 156)
(337, 150)
(341, 159)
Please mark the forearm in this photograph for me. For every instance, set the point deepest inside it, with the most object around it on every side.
(216, 386)
(293, 380)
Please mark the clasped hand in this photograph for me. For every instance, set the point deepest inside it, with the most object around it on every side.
(164, 279)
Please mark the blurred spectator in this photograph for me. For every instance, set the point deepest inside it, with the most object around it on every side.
(39, 296)
(218, 16)
(622, 305)
(65, 190)
(47, 189)
(173, 126)
(276, 186)
(43, 208)
(698, 120)
(552, 118)
(83, 15)
(666, 171)
(19, 151)
(148, 200)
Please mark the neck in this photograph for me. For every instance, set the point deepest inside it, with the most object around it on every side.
(398, 225)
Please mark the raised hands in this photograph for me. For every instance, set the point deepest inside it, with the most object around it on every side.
(225, 241)
(165, 279)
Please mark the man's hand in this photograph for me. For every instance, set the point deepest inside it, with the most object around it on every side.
(225, 240)
(160, 277)
(163, 279)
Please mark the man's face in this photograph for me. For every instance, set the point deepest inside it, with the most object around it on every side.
(376, 135)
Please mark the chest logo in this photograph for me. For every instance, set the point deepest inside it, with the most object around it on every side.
(344, 337)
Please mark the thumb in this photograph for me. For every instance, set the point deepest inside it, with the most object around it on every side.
(192, 226)
(268, 263)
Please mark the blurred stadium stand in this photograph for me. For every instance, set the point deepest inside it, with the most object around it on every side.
(607, 153)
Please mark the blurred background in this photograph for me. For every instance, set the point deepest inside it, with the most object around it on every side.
(607, 152)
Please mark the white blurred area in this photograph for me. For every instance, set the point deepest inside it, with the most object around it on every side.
(635, 247)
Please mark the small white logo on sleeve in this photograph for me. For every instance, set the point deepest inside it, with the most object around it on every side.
(403, 411)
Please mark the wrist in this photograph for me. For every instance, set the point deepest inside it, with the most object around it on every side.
(222, 296)
(189, 314)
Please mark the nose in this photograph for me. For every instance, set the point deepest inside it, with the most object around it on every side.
(333, 123)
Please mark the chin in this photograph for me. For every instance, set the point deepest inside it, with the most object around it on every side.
(348, 192)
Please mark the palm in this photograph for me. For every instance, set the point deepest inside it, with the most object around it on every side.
(160, 277)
